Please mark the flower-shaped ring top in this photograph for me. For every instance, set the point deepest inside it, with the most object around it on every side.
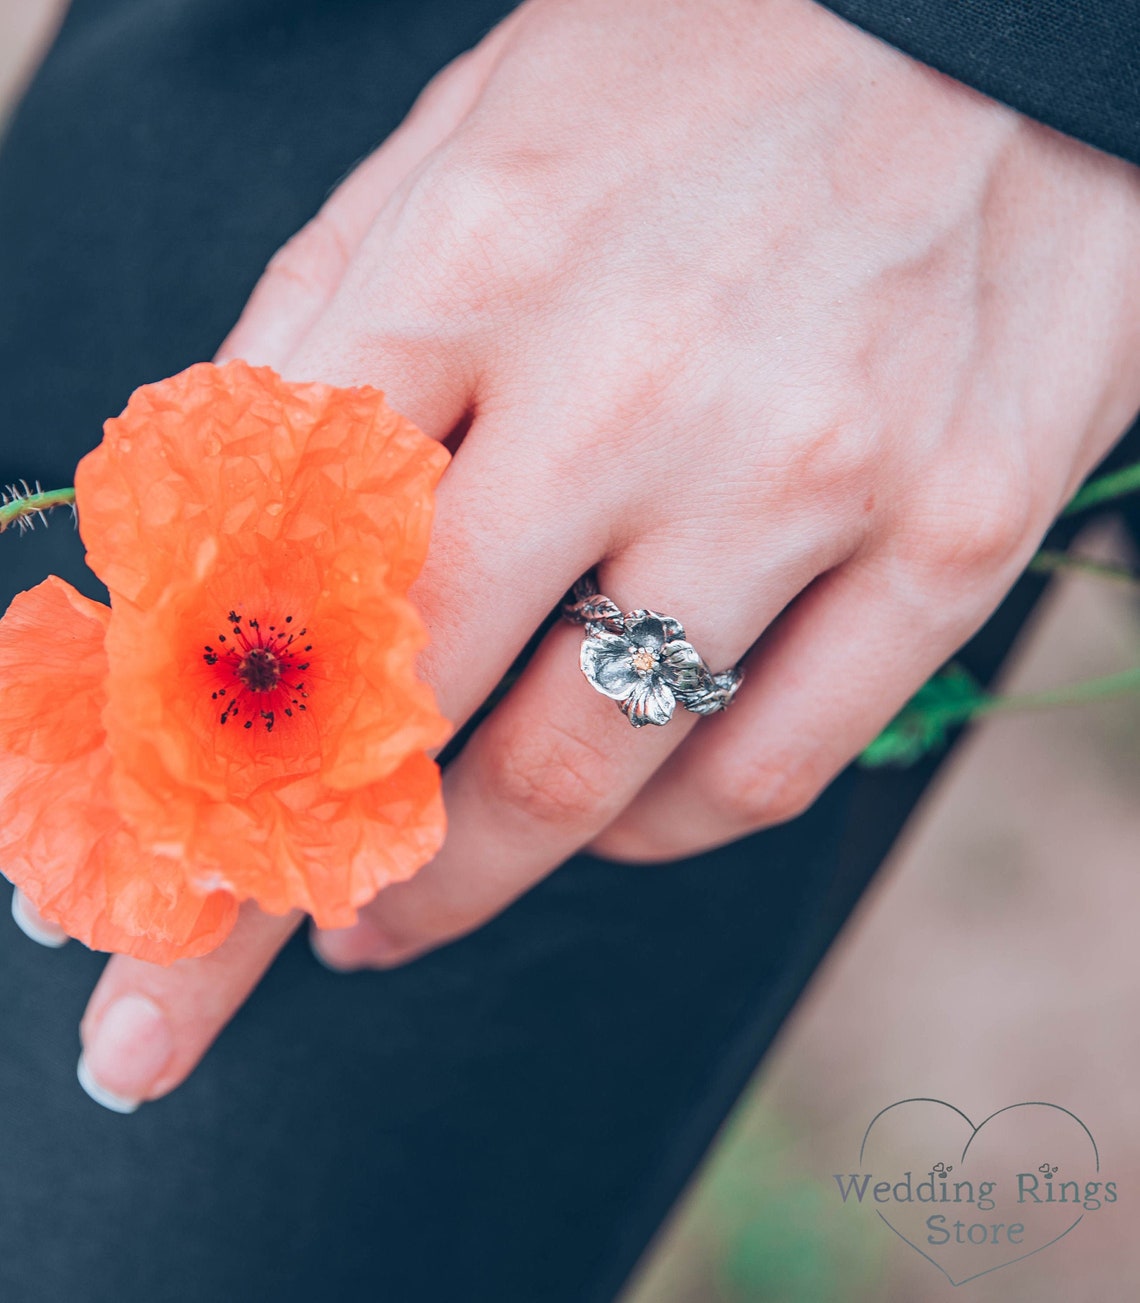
(642, 661)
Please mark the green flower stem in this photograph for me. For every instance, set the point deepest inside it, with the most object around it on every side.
(1048, 562)
(1111, 685)
(1075, 694)
(19, 507)
(1114, 485)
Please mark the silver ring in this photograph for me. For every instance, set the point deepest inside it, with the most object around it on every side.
(641, 660)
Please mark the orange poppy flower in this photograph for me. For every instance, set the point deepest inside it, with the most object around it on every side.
(245, 721)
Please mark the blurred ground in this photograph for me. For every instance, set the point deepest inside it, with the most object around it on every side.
(25, 27)
(995, 961)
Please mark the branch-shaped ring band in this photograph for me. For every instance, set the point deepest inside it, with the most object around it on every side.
(642, 661)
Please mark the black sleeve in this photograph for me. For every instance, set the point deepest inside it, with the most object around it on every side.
(1073, 64)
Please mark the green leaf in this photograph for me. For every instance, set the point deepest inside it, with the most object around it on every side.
(924, 723)
(1106, 489)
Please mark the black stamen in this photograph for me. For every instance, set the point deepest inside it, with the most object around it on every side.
(263, 663)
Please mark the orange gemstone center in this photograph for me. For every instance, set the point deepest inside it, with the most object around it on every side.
(643, 661)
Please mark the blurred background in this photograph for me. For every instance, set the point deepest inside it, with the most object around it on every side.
(997, 959)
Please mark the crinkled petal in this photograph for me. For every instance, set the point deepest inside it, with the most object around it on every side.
(217, 454)
(310, 847)
(381, 710)
(605, 660)
(651, 702)
(52, 666)
(363, 712)
(62, 840)
(226, 488)
(224, 501)
(82, 867)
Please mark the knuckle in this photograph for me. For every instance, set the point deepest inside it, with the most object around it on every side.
(313, 260)
(549, 775)
(462, 210)
(799, 793)
(481, 221)
(761, 793)
(450, 90)
(618, 419)
(838, 450)
(651, 384)
(824, 430)
(982, 524)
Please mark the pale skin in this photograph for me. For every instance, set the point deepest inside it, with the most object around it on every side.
(785, 333)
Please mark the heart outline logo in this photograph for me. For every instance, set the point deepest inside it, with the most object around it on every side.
(974, 1132)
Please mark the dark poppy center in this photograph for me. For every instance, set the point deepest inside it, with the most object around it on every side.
(261, 670)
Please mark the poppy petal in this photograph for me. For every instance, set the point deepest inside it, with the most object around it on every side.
(62, 840)
(264, 709)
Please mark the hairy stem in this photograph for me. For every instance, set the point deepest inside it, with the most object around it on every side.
(22, 506)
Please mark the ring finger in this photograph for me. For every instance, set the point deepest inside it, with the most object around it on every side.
(551, 767)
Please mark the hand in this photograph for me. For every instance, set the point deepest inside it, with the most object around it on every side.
(787, 334)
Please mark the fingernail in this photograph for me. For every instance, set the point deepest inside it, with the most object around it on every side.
(341, 950)
(97, 1092)
(131, 1046)
(317, 946)
(30, 923)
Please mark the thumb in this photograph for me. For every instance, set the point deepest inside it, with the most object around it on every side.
(147, 1027)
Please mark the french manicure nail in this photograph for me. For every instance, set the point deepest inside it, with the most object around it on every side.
(131, 1046)
(99, 1094)
(30, 923)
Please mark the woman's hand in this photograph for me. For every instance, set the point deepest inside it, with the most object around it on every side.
(791, 337)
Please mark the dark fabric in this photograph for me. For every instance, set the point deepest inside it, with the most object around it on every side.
(507, 1120)
(1073, 64)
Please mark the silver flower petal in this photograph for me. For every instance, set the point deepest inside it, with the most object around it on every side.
(648, 630)
(643, 661)
(682, 667)
(605, 661)
(650, 702)
(674, 629)
(719, 694)
(599, 610)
